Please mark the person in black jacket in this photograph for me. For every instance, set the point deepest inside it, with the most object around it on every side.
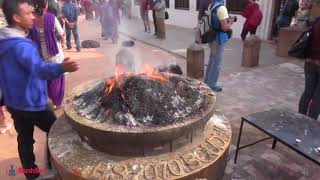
(310, 100)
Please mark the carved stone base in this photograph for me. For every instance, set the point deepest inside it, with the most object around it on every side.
(204, 157)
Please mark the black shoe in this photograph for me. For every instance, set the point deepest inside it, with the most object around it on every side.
(32, 176)
(217, 89)
(78, 49)
(69, 48)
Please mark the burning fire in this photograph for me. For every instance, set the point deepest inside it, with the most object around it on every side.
(121, 75)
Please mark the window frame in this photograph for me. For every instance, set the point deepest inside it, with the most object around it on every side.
(182, 8)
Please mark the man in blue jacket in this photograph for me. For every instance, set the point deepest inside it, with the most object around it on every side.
(23, 79)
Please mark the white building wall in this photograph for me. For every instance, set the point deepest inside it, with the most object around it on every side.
(188, 18)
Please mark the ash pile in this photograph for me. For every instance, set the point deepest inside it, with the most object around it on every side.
(138, 100)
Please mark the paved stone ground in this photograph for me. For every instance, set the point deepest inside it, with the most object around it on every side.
(245, 91)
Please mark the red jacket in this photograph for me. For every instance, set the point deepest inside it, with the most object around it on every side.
(253, 15)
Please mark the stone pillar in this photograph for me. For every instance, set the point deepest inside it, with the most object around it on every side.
(161, 28)
(195, 61)
(251, 51)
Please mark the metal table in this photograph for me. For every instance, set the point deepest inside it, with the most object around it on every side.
(298, 132)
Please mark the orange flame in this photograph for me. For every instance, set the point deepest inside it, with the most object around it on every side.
(120, 75)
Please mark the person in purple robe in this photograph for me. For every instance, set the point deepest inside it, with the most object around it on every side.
(48, 34)
(110, 20)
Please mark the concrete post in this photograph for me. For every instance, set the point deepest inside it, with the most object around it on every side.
(251, 51)
(195, 61)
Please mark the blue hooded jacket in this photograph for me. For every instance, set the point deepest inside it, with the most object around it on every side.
(23, 73)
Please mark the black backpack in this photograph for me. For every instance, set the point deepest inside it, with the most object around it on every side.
(205, 30)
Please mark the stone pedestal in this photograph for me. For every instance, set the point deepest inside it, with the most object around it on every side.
(287, 37)
(195, 61)
(251, 51)
(161, 28)
(205, 156)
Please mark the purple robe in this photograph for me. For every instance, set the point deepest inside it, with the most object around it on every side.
(55, 86)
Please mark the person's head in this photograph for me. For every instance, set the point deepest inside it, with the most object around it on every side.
(40, 6)
(18, 13)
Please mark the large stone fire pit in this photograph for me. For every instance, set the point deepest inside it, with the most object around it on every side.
(141, 129)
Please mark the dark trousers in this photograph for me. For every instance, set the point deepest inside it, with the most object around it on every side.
(155, 22)
(75, 36)
(310, 99)
(245, 32)
(24, 123)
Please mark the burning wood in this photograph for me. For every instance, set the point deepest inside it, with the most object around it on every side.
(144, 99)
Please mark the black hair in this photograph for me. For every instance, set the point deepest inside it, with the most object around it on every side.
(39, 6)
(10, 8)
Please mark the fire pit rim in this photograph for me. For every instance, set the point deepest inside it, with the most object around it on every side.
(73, 115)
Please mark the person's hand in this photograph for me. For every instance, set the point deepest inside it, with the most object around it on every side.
(69, 66)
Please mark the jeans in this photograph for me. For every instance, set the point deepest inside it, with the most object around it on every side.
(214, 65)
(310, 100)
(24, 123)
(75, 36)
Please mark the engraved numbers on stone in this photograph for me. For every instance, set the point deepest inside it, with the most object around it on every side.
(161, 169)
(175, 167)
(219, 143)
(191, 162)
(203, 155)
(150, 172)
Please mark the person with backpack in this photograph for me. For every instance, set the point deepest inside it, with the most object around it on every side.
(221, 24)
(253, 16)
(310, 100)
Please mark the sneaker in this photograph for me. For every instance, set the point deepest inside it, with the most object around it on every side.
(5, 128)
(217, 88)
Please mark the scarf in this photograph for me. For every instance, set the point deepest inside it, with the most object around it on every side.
(49, 34)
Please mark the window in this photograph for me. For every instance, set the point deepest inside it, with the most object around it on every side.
(236, 6)
(182, 4)
(167, 3)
